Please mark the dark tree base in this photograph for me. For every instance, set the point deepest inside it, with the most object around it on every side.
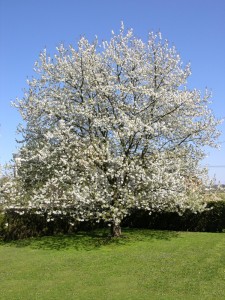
(115, 230)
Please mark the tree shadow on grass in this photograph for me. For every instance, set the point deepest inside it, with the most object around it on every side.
(91, 240)
(149, 234)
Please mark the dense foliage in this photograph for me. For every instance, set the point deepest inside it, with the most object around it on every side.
(111, 127)
(15, 226)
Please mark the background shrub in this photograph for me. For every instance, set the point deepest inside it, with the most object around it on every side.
(211, 220)
(17, 226)
(14, 225)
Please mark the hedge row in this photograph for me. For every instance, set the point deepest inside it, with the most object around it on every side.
(15, 226)
(211, 220)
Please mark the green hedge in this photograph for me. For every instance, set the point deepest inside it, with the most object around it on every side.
(15, 226)
(211, 220)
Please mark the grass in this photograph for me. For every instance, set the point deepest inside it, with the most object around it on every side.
(143, 264)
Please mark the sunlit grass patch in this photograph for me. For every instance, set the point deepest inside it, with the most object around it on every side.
(143, 264)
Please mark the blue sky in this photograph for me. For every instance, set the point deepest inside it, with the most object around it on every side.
(195, 27)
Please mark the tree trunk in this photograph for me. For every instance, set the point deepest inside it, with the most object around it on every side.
(115, 230)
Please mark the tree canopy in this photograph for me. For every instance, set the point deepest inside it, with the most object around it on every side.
(112, 127)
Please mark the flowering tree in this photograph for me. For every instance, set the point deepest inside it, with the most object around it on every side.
(111, 127)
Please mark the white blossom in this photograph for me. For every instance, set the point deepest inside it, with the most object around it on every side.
(111, 127)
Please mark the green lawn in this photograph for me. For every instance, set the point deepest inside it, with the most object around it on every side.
(144, 264)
